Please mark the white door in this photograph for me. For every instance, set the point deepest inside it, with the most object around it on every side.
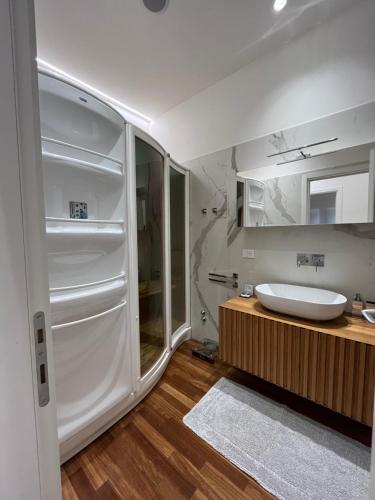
(28, 454)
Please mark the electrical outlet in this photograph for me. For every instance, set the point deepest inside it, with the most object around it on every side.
(248, 254)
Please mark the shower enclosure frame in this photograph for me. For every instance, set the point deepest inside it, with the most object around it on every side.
(144, 383)
(178, 335)
(139, 385)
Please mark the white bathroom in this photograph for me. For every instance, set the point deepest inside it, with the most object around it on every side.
(187, 203)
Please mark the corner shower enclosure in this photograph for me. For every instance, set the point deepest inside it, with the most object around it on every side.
(117, 238)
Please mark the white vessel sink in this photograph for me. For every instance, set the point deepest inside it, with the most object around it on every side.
(302, 301)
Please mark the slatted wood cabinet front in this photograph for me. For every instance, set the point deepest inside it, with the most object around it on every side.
(330, 370)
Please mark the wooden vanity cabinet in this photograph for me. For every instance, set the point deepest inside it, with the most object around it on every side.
(331, 363)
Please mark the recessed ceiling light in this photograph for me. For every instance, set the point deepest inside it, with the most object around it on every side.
(279, 5)
(155, 5)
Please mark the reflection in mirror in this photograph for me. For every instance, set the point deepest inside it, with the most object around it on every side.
(332, 188)
(340, 199)
(323, 207)
(320, 172)
(240, 202)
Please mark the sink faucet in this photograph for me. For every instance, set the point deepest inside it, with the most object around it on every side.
(302, 259)
(312, 259)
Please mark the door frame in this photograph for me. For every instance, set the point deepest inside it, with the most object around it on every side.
(38, 448)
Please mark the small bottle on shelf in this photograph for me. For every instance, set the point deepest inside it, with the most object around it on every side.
(357, 305)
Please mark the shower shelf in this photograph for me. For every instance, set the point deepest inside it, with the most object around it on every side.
(102, 233)
(79, 148)
(95, 168)
(84, 285)
(89, 318)
(92, 292)
(84, 221)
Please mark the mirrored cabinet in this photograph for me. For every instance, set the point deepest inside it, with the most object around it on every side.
(311, 179)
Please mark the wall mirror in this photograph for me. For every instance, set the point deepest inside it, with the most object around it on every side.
(309, 175)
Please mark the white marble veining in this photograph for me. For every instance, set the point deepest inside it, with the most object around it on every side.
(282, 204)
(217, 243)
(351, 128)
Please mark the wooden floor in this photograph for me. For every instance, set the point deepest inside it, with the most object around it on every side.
(150, 454)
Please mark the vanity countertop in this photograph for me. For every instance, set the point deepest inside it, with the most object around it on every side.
(346, 326)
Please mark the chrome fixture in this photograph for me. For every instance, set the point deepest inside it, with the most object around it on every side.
(302, 154)
(204, 211)
(155, 5)
(223, 278)
(303, 147)
(203, 315)
(311, 259)
(214, 210)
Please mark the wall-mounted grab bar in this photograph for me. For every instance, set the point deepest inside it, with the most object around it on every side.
(303, 147)
(89, 318)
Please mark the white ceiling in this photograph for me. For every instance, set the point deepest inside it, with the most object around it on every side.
(152, 62)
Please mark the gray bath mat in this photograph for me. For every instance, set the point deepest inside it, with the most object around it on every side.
(288, 454)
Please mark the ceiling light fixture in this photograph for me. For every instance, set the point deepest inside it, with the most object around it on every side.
(279, 5)
(155, 5)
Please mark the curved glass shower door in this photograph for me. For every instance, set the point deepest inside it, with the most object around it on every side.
(150, 237)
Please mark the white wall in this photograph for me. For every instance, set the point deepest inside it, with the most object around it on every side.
(330, 69)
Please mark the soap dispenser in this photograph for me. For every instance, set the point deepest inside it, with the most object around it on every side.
(357, 304)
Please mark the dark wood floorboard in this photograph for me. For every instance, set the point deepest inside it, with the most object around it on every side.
(150, 454)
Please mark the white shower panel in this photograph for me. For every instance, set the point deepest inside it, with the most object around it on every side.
(90, 196)
(78, 118)
(73, 304)
(83, 142)
(100, 188)
(81, 260)
(92, 369)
